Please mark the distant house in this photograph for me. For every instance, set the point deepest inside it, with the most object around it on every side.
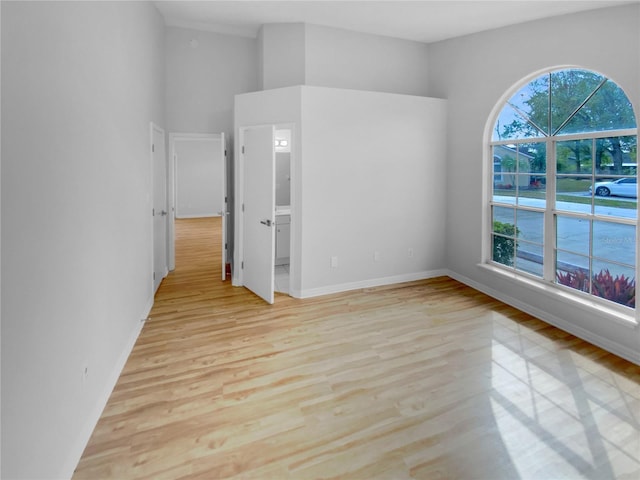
(505, 174)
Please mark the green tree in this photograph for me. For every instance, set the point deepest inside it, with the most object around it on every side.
(574, 156)
(576, 101)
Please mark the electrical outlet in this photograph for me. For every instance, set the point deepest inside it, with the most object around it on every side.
(410, 253)
(334, 262)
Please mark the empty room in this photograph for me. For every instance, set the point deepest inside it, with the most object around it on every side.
(319, 239)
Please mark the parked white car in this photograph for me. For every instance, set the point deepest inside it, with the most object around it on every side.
(623, 187)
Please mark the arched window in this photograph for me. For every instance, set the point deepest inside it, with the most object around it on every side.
(564, 186)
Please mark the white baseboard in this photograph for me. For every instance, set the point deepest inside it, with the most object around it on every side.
(373, 282)
(587, 335)
(85, 435)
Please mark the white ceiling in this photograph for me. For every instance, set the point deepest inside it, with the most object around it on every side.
(425, 21)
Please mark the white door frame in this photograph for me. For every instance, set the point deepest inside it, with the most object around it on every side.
(178, 136)
(238, 243)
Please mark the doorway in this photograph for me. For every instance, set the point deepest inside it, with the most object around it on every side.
(198, 185)
(264, 209)
(283, 210)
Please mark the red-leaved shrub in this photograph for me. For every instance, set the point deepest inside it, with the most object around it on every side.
(578, 280)
(619, 289)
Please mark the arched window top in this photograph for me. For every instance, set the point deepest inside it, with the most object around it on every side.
(564, 102)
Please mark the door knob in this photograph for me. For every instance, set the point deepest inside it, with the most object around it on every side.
(163, 212)
(266, 222)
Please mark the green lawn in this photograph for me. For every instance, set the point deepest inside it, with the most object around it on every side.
(571, 185)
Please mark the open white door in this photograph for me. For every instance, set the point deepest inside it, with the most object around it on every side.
(159, 212)
(258, 154)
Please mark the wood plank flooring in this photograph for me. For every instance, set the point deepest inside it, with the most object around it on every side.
(424, 380)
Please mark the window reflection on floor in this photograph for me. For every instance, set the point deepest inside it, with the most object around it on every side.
(559, 413)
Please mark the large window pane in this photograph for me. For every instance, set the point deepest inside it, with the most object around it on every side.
(530, 226)
(615, 196)
(531, 193)
(574, 157)
(533, 158)
(527, 172)
(569, 89)
(573, 271)
(616, 155)
(503, 239)
(608, 109)
(574, 166)
(505, 161)
(504, 215)
(511, 125)
(573, 193)
(615, 242)
(615, 283)
(529, 257)
(616, 207)
(532, 101)
(504, 183)
(572, 234)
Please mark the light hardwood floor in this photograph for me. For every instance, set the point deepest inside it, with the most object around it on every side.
(429, 380)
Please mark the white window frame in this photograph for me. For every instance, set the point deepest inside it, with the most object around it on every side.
(547, 284)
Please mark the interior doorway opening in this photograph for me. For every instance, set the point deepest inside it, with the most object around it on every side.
(283, 210)
(198, 187)
(265, 207)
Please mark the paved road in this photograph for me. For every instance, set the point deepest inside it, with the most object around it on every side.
(612, 242)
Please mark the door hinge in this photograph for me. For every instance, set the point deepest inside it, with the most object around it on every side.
(226, 200)
(154, 275)
(153, 147)
(225, 246)
(225, 152)
(243, 207)
(242, 265)
(153, 212)
(242, 148)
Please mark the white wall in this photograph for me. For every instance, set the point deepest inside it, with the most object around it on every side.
(344, 59)
(199, 171)
(304, 54)
(80, 83)
(367, 174)
(202, 81)
(282, 51)
(371, 180)
(473, 73)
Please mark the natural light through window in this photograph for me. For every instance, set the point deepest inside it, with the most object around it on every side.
(549, 404)
(564, 186)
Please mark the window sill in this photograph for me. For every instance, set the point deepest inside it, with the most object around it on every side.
(609, 313)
